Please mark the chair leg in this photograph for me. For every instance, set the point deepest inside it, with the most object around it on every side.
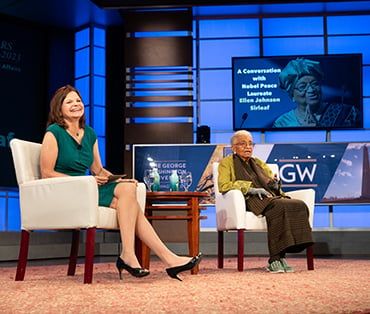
(138, 250)
(220, 249)
(23, 254)
(89, 255)
(74, 252)
(145, 256)
(309, 252)
(240, 249)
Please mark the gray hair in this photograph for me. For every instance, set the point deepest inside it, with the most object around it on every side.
(237, 134)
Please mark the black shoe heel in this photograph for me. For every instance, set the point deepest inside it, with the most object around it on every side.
(136, 272)
(173, 271)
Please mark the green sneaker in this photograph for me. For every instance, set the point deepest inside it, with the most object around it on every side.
(286, 267)
(275, 267)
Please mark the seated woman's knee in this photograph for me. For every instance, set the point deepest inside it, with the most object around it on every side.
(126, 189)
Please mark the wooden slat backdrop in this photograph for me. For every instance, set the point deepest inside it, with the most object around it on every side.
(158, 70)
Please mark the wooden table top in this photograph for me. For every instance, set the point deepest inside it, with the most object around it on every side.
(176, 194)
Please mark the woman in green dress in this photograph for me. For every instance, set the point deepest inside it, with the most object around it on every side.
(70, 148)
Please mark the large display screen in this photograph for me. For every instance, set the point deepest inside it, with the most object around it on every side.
(23, 101)
(338, 172)
(305, 92)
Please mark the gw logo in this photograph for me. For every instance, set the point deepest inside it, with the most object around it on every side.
(289, 173)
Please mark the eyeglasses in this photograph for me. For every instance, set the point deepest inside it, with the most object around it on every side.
(244, 144)
(303, 87)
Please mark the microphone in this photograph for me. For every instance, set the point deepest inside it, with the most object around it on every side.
(244, 117)
(79, 147)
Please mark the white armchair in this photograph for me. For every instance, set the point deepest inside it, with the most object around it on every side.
(65, 203)
(231, 214)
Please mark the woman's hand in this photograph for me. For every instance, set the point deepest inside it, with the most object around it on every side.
(100, 180)
(274, 183)
(261, 192)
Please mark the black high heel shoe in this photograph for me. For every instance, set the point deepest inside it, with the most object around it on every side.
(173, 271)
(136, 272)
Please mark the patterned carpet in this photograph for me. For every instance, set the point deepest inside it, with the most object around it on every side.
(335, 286)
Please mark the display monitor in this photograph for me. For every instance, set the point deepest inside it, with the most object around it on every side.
(23, 101)
(290, 92)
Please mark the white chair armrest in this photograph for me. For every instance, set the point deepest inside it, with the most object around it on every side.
(230, 210)
(307, 196)
(141, 195)
(60, 203)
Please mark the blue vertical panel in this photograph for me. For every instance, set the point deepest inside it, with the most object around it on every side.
(215, 84)
(224, 137)
(218, 53)
(161, 34)
(257, 137)
(366, 80)
(351, 216)
(195, 30)
(99, 120)
(295, 136)
(355, 24)
(14, 217)
(221, 137)
(350, 44)
(99, 37)
(293, 26)
(226, 10)
(195, 58)
(210, 222)
(82, 38)
(99, 61)
(228, 28)
(291, 8)
(321, 217)
(87, 114)
(99, 91)
(293, 46)
(367, 113)
(161, 120)
(101, 144)
(3, 209)
(83, 85)
(82, 62)
(350, 136)
(346, 6)
(216, 114)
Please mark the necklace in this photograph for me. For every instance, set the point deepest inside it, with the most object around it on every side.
(76, 134)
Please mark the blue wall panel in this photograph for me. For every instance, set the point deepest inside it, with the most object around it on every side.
(293, 26)
(341, 25)
(355, 216)
(228, 28)
(215, 84)
(350, 44)
(218, 53)
(293, 46)
(216, 114)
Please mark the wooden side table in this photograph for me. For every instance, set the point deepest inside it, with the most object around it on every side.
(169, 202)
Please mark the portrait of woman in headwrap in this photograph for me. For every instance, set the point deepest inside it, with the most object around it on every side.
(302, 79)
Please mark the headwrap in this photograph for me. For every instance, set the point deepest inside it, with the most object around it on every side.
(297, 68)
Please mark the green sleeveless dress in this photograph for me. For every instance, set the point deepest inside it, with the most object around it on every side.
(75, 159)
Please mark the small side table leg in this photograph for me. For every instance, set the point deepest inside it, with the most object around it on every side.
(145, 256)
(193, 230)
